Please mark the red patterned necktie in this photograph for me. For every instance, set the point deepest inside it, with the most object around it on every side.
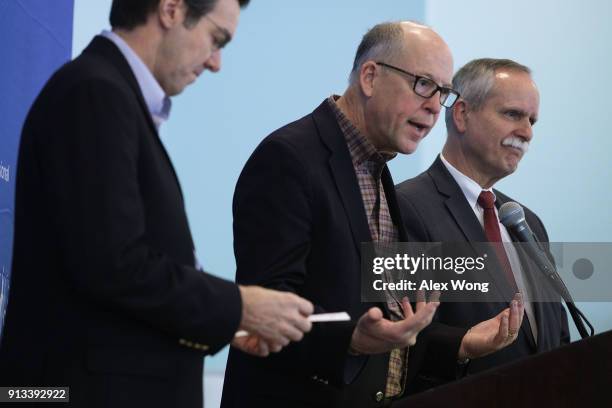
(486, 199)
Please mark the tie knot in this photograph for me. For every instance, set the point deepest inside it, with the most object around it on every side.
(486, 199)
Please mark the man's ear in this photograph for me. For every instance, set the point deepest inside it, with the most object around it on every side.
(460, 115)
(171, 12)
(367, 75)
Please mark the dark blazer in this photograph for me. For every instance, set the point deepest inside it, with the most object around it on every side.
(105, 298)
(299, 220)
(434, 209)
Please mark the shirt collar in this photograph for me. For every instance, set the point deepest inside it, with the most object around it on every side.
(471, 189)
(360, 148)
(157, 102)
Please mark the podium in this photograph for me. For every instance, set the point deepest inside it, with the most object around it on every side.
(576, 375)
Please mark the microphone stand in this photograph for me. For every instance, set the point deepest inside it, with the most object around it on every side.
(548, 269)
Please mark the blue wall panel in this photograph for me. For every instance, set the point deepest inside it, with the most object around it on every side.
(35, 39)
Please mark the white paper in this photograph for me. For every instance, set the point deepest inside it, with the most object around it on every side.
(315, 318)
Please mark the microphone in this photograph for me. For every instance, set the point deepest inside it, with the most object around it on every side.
(512, 216)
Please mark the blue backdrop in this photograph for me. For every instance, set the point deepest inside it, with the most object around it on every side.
(35, 39)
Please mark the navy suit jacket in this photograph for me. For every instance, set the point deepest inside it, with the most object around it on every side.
(299, 220)
(434, 209)
(105, 298)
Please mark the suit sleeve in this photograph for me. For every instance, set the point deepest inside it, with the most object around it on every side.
(273, 219)
(89, 164)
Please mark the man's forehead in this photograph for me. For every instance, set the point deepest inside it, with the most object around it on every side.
(515, 86)
(511, 77)
(427, 54)
(435, 65)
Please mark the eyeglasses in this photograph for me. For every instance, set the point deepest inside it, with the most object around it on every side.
(427, 87)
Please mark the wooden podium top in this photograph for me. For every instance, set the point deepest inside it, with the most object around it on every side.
(576, 375)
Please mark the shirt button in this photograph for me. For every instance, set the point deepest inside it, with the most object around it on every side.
(379, 396)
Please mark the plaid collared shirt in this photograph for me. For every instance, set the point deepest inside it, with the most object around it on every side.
(369, 165)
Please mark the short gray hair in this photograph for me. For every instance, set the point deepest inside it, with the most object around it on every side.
(475, 80)
(384, 41)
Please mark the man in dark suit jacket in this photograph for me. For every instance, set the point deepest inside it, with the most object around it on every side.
(310, 194)
(106, 297)
(489, 130)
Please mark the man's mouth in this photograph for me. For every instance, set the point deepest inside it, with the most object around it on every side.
(516, 143)
(418, 125)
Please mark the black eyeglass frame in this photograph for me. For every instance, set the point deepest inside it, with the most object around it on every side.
(445, 92)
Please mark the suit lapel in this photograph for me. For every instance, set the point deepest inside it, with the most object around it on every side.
(389, 187)
(456, 203)
(106, 49)
(345, 179)
(542, 314)
(343, 173)
(464, 217)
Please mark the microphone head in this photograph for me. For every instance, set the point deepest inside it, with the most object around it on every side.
(511, 214)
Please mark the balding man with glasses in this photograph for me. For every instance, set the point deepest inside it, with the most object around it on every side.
(310, 194)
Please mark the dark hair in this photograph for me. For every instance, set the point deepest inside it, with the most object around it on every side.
(129, 14)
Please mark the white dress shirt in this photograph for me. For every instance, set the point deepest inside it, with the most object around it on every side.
(158, 103)
(471, 190)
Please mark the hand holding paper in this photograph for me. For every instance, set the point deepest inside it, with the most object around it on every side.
(317, 318)
(273, 319)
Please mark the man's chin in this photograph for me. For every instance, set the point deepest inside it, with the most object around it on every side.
(507, 170)
(176, 90)
(409, 147)
(512, 163)
(410, 143)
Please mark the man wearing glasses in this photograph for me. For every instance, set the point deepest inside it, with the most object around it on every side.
(107, 297)
(310, 194)
(489, 130)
